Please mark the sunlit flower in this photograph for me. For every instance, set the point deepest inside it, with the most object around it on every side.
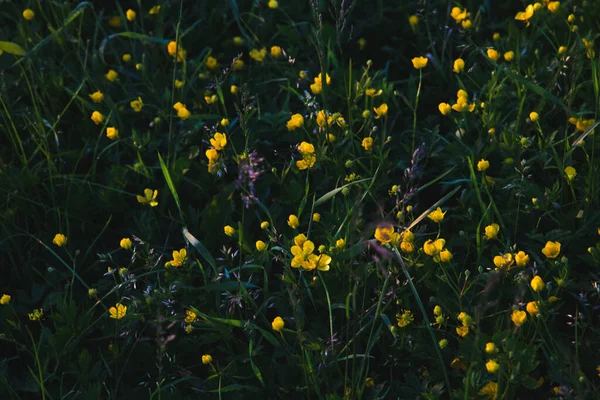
(137, 105)
(112, 75)
(229, 230)
(293, 221)
(260, 245)
(301, 254)
(219, 141)
(264, 225)
(509, 56)
(176, 51)
(384, 233)
(518, 317)
(381, 111)
(130, 14)
(118, 311)
(317, 86)
(97, 96)
(459, 65)
(493, 54)
(521, 258)
(525, 15)
(5, 299)
(445, 108)
(533, 116)
(340, 244)
(28, 14)
(492, 366)
(434, 247)
(537, 284)
(419, 62)
(490, 348)
(491, 231)
(367, 143)
(278, 324)
(273, 4)
(533, 308)
(297, 121)
(483, 165)
(207, 359)
(407, 247)
(60, 240)
(213, 157)
(581, 124)
(126, 244)
(190, 316)
(504, 261)
(97, 117)
(179, 258)
(373, 92)
(553, 6)
(437, 215)
(316, 217)
(149, 197)
(445, 255)
(551, 249)
(562, 50)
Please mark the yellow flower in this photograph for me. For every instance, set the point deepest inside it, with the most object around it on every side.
(316, 217)
(176, 51)
(321, 262)
(562, 50)
(60, 240)
(537, 284)
(210, 99)
(278, 324)
(238, 40)
(273, 4)
(496, 36)
(190, 316)
(413, 20)
(258, 55)
(112, 75)
(518, 317)
(533, 116)
(233, 89)
(459, 65)
(509, 56)
(492, 366)
(207, 359)
(126, 244)
(367, 143)
(264, 225)
(433, 248)
(36, 315)
(490, 389)
(130, 14)
(407, 247)
(443, 343)
(126, 57)
(211, 62)
(504, 261)
(5, 299)
(28, 14)
(293, 221)
(149, 197)
(219, 141)
(533, 308)
(552, 249)
(405, 319)
(276, 51)
(483, 165)
(437, 215)
(462, 330)
(525, 15)
(419, 62)
(260, 245)
(373, 92)
(179, 258)
(570, 172)
(213, 156)
(139, 66)
(493, 54)
(490, 347)
(118, 311)
(297, 121)
(179, 84)
(445, 255)
(340, 244)
(306, 148)
(97, 117)
(381, 111)
(445, 108)
(553, 6)
(97, 96)
(582, 124)
(307, 162)
(137, 105)
(384, 233)
(491, 231)
(229, 230)
(238, 64)
(301, 252)
(467, 24)
(521, 258)
(459, 14)
(369, 382)
(154, 10)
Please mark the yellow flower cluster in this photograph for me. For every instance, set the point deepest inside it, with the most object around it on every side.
(303, 255)
(461, 16)
(308, 156)
(317, 86)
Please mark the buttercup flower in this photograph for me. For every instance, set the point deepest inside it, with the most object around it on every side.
(562, 50)
(533, 116)
(367, 143)
(207, 359)
(297, 121)
(317, 86)
(179, 258)
(301, 253)
(533, 308)
(384, 233)
(373, 92)
(229, 230)
(509, 56)
(130, 14)
(483, 165)
(176, 51)
(537, 284)
(154, 10)
(552, 249)
(570, 172)
(490, 389)
(413, 20)
(137, 104)
(521, 258)
(211, 62)
(459, 65)
(273, 4)
(97, 117)
(525, 15)
(491, 231)
(60, 240)
(445, 108)
(293, 221)
(149, 197)
(97, 96)
(112, 75)
(278, 324)
(445, 255)
(118, 311)
(504, 261)
(459, 14)
(28, 14)
(490, 348)
(437, 215)
(5, 299)
(518, 317)
(553, 6)
(276, 51)
(433, 248)
(264, 225)
(213, 157)
(219, 141)
(190, 316)
(316, 217)
(405, 318)
(419, 62)
(493, 54)
(492, 366)
(340, 244)
(126, 244)
(36, 315)
(381, 111)
(260, 245)
(258, 55)
(112, 133)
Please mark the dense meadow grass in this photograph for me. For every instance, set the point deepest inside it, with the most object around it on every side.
(327, 199)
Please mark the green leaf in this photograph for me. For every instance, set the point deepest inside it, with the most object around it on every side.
(12, 48)
(200, 247)
(333, 192)
(167, 175)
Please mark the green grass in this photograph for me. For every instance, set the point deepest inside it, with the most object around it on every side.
(371, 307)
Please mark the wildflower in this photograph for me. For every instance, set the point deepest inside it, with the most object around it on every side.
(112, 75)
(293, 221)
(496, 36)
(60, 240)
(229, 230)
(182, 112)
(437, 215)
(490, 348)
(381, 111)
(36, 315)
(258, 55)
(207, 359)
(307, 162)
(413, 20)
(443, 343)
(179, 84)
(459, 14)
(126, 244)
(97, 96)
(340, 244)
(92, 292)
(492, 366)
(407, 247)
(509, 56)
(276, 51)
(419, 62)
(118, 311)
(238, 64)
(210, 99)
(373, 92)
(213, 156)
(518, 317)
(190, 316)
(444, 108)
(533, 308)
(317, 86)
(211, 62)
(137, 105)
(179, 258)
(490, 389)
(433, 248)
(491, 231)
(176, 51)
(483, 165)
(553, 6)
(467, 24)
(384, 233)
(367, 143)
(521, 258)
(537, 284)
(316, 217)
(97, 117)
(273, 4)
(139, 66)
(28, 14)
(321, 262)
(130, 14)
(278, 324)
(219, 141)
(462, 330)
(366, 114)
(571, 173)
(504, 261)
(233, 89)
(405, 318)
(459, 65)
(154, 10)
(301, 252)
(445, 255)
(581, 124)
(297, 121)
(126, 57)
(552, 249)
(264, 225)
(525, 15)
(533, 116)
(260, 245)
(562, 50)
(5, 299)
(149, 197)
(493, 54)
(369, 382)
